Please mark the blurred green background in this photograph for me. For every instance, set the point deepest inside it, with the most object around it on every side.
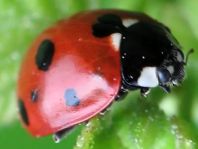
(161, 121)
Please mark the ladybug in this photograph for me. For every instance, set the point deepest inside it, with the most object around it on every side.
(79, 66)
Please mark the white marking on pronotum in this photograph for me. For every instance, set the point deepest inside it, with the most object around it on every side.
(148, 77)
(116, 40)
(129, 22)
(116, 37)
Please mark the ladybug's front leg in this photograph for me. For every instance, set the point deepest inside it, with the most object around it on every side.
(121, 94)
(144, 91)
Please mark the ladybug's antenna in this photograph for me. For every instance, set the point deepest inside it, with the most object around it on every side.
(187, 56)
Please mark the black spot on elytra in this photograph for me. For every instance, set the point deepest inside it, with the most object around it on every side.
(45, 54)
(107, 24)
(23, 112)
(34, 95)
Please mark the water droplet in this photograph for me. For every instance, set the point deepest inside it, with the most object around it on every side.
(44, 64)
(123, 88)
(130, 76)
(98, 68)
(79, 143)
(79, 39)
(88, 124)
(82, 139)
(114, 79)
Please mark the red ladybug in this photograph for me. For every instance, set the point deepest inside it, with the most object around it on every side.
(78, 67)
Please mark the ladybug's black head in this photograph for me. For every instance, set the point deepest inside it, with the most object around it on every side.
(172, 69)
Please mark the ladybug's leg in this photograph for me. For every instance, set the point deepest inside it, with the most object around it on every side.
(122, 93)
(58, 136)
(166, 88)
(144, 91)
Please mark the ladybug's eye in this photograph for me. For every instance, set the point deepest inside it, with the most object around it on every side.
(163, 75)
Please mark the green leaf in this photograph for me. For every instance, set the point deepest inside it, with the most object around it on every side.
(136, 123)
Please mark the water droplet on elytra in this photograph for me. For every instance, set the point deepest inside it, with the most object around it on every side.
(98, 68)
(114, 79)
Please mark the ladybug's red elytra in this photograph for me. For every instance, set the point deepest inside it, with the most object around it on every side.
(76, 68)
